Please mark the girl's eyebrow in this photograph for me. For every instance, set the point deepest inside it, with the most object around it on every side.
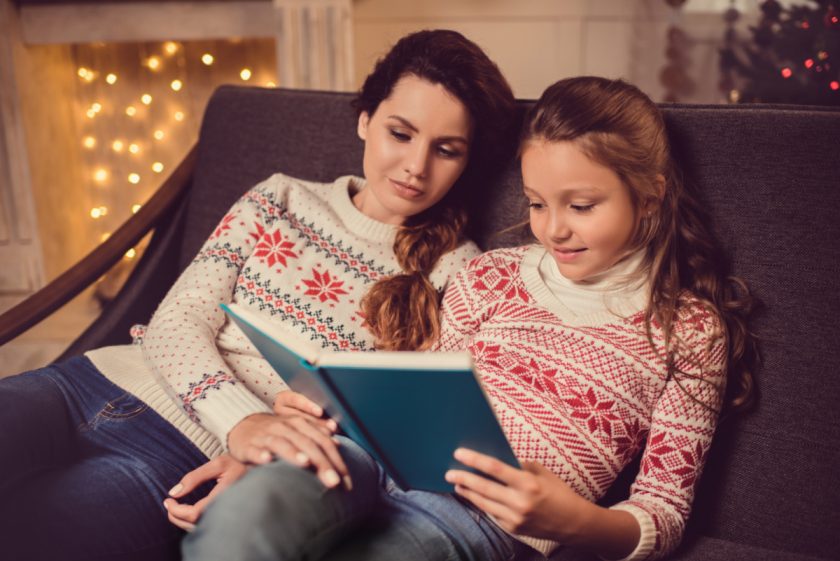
(408, 124)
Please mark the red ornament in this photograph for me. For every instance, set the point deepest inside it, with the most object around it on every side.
(832, 18)
(809, 63)
(835, 85)
(787, 73)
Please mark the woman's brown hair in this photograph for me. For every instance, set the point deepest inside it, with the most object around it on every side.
(618, 126)
(402, 310)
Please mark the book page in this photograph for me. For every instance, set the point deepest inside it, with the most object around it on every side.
(274, 331)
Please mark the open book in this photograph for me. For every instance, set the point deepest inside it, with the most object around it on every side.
(409, 410)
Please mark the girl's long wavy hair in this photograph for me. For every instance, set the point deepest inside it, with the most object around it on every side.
(618, 126)
(402, 311)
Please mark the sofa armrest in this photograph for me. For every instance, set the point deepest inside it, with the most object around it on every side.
(70, 283)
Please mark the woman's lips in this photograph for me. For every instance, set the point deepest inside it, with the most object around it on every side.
(405, 190)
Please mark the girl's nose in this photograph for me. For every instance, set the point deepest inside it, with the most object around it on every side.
(558, 227)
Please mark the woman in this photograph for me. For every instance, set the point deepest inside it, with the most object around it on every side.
(91, 445)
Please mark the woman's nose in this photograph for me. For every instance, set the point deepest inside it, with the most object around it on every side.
(417, 161)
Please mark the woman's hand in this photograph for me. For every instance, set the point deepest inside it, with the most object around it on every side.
(289, 402)
(225, 469)
(300, 439)
(531, 501)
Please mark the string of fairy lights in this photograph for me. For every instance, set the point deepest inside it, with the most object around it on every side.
(129, 112)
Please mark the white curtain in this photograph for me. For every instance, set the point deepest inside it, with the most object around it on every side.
(315, 44)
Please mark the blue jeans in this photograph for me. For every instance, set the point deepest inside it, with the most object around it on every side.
(84, 469)
(280, 512)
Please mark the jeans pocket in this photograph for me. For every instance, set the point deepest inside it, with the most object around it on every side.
(124, 407)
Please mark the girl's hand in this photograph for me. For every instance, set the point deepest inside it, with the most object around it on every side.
(225, 469)
(531, 501)
(299, 439)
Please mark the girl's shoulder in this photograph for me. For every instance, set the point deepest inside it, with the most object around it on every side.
(504, 257)
(694, 316)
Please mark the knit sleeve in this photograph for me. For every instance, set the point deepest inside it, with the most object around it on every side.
(682, 426)
(459, 311)
(452, 262)
(180, 341)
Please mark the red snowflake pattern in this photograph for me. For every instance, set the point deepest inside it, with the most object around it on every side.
(324, 286)
(500, 279)
(533, 375)
(223, 225)
(272, 246)
(597, 414)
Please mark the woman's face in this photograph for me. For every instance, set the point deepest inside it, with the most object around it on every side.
(416, 146)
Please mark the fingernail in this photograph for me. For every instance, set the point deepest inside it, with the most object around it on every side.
(332, 425)
(177, 489)
(450, 477)
(331, 478)
(317, 411)
(301, 458)
(348, 483)
(265, 456)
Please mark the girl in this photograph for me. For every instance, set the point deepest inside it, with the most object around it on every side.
(616, 333)
(91, 445)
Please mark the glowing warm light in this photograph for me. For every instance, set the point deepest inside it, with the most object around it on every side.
(130, 254)
(809, 63)
(133, 148)
(96, 107)
(90, 113)
(157, 167)
(170, 47)
(86, 75)
(134, 178)
(111, 79)
(158, 135)
(270, 84)
(835, 85)
(131, 111)
(822, 55)
(734, 96)
(176, 85)
(153, 62)
(207, 59)
(104, 236)
(117, 145)
(146, 99)
(98, 212)
(787, 73)
(100, 175)
(179, 116)
(245, 74)
(89, 142)
(135, 208)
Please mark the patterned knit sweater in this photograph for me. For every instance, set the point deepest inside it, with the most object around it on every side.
(297, 252)
(583, 394)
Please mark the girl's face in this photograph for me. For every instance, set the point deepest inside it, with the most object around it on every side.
(580, 211)
(416, 146)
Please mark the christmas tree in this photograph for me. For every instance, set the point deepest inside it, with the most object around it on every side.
(793, 55)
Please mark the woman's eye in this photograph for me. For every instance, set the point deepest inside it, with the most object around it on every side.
(448, 152)
(582, 208)
(400, 136)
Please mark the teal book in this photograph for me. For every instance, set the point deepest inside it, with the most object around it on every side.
(409, 410)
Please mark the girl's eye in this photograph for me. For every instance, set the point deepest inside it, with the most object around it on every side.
(536, 206)
(582, 208)
(399, 135)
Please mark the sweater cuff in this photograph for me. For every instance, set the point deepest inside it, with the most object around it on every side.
(647, 537)
(224, 408)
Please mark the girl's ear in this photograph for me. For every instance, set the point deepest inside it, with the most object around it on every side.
(361, 129)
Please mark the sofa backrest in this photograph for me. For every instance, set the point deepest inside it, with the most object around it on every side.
(770, 179)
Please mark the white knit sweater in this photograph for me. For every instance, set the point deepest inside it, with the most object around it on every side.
(298, 252)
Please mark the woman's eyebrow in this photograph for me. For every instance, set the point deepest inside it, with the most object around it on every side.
(408, 124)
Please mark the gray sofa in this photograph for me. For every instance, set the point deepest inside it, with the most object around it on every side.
(771, 179)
